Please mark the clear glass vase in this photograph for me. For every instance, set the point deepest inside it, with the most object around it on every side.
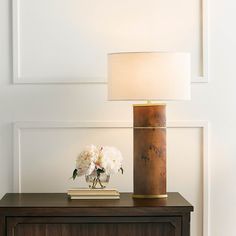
(97, 180)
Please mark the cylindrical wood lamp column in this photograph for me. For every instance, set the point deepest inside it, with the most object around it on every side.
(149, 151)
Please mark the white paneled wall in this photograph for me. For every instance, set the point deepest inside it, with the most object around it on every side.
(214, 101)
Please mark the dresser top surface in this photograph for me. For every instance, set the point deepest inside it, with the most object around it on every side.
(21, 200)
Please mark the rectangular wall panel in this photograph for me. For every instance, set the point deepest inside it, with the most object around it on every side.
(67, 41)
(46, 157)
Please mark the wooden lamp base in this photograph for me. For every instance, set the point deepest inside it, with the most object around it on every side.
(149, 151)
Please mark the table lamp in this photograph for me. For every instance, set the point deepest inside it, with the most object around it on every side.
(161, 76)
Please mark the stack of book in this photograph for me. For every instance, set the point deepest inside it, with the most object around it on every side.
(84, 193)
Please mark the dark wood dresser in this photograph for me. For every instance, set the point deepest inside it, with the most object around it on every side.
(54, 214)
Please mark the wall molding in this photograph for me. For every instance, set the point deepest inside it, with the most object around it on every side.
(18, 79)
(204, 125)
(204, 78)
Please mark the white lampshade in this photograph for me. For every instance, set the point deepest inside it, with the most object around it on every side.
(149, 76)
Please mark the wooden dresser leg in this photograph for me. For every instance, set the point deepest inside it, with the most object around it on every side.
(2, 226)
(186, 225)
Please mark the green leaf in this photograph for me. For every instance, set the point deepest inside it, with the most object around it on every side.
(75, 172)
(99, 171)
(122, 170)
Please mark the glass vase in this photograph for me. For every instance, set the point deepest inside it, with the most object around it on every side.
(97, 180)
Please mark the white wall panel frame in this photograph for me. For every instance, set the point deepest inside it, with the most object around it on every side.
(19, 79)
(204, 78)
(204, 125)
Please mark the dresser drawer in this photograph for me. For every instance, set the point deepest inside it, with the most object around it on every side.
(94, 226)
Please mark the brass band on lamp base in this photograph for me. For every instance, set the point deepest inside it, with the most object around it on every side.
(149, 151)
(150, 196)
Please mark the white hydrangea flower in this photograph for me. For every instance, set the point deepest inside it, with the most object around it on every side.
(110, 159)
(85, 163)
